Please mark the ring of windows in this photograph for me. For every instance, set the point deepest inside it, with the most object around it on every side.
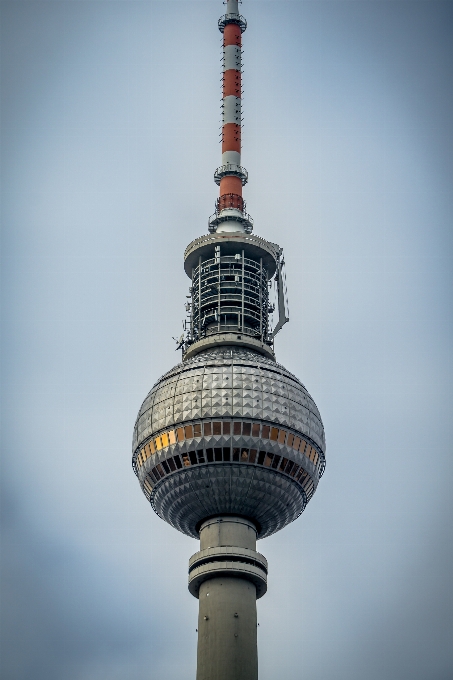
(227, 455)
(227, 428)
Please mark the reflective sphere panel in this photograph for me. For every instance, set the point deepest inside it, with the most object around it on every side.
(229, 432)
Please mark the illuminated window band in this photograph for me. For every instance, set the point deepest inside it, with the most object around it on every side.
(228, 428)
(228, 454)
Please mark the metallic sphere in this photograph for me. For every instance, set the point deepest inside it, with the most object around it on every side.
(228, 432)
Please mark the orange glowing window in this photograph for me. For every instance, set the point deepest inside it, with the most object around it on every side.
(207, 429)
(268, 459)
(197, 430)
(296, 443)
(171, 437)
(274, 434)
(255, 430)
(158, 443)
(185, 460)
(265, 432)
(188, 431)
(303, 444)
(164, 439)
(180, 434)
(290, 440)
(282, 436)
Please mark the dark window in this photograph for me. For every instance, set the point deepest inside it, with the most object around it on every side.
(171, 464)
(193, 457)
(261, 457)
(265, 432)
(160, 471)
(207, 429)
(268, 459)
(197, 430)
(308, 485)
(217, 428)
(274, 434)
(289, 467)
(283, 464)
(246, 429)
(226, 453)
(295, 470)
(188, 431)
(236, 454)
(165, 466)
(226, 427)
(200, 455)
(244, 455)
(275, 462)
(256, 430)
(178, 462)
(218, 454)
(154, 475)
(237, 427)
(209, 455)
(252, 455)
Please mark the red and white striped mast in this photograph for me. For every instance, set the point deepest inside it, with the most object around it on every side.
(230, 214)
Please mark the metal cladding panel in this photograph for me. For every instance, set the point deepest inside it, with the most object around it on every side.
(185, 498)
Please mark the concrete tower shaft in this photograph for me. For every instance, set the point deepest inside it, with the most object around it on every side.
(230, 577)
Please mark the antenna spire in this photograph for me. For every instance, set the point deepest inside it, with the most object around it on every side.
(230, 214)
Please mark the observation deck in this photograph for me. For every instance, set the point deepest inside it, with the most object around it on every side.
(230, 293)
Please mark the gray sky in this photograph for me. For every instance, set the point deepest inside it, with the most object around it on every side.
(110, 117)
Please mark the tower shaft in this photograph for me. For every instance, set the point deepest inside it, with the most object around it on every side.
(227, 575)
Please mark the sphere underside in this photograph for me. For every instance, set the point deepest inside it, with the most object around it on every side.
(228, 432)
(186, 498)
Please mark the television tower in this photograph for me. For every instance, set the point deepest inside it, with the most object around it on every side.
(229, 446)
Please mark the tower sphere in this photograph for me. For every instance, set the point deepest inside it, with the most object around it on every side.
(229, 432)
